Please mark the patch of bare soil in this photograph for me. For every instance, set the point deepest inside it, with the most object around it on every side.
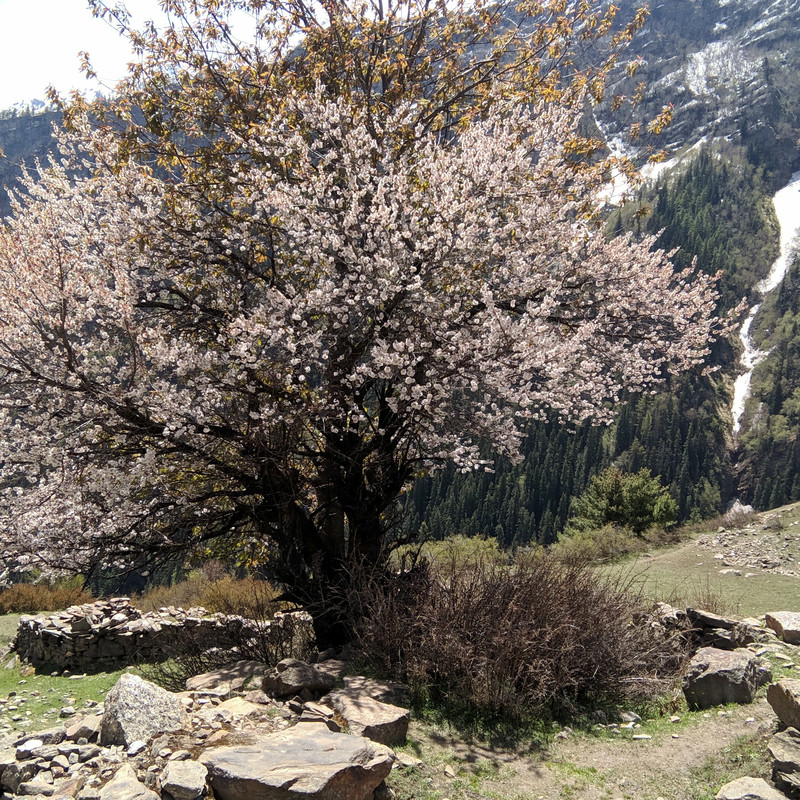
(682, 761)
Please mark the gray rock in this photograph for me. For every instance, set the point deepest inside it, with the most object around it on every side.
(307, 761)
(380, 722)
(784, 697)
(745, 633)
(27, 748)
(136, 710)
(32, 788)
(52, 735)
(786, 624)
(15, 774)
(231, 678)
(291, 676)
(71, 786)
(748, 789)
(185, 780)
(717, 676)
(85, 728)
(126, 786)
(718, 637)
(784, 747)
(705, 619)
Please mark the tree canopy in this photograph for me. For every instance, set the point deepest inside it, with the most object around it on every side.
(636, 501)
(278, 277)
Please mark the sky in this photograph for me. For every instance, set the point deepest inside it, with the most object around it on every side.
(40, 41)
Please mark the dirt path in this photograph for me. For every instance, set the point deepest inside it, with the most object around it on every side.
(688, 760)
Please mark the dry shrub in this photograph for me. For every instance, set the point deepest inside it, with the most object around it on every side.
(32, 598)
(541, 634)
(246, 597)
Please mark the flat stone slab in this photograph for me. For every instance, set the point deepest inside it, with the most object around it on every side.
(784, 697)
(705, 619)
(365, 716)
(749, 789)
(715, 677)
(232, 677)
(126, 786)
(786, 624)
(304, 762)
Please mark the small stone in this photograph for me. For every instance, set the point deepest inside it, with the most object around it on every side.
(185, 780)
(449, 771)
(25, 750)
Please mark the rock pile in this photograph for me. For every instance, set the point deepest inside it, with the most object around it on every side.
(149, 744)
(110, 634)
(759, 544)
(780, 637)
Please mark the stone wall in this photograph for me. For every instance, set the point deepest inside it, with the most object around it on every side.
(111, 634)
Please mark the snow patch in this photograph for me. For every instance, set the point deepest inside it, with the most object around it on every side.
(718, 64)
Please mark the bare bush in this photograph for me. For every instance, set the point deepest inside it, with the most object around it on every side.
(539, 634)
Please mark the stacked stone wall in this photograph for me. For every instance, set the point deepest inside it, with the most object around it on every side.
(111, 634)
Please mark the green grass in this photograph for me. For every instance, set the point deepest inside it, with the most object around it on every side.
(747, 756)
(8, 628)
(685, 574)
(40, 698)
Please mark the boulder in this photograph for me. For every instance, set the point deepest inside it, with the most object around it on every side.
(365, 716)
(307, 761)
(52, 735)
(748, 789)
(126, 786)
(717, 676)
(291, 676)
(786, 624)
(784, 747)
(231, 678)
(136, 710)
(184, 780)
(784, 697)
